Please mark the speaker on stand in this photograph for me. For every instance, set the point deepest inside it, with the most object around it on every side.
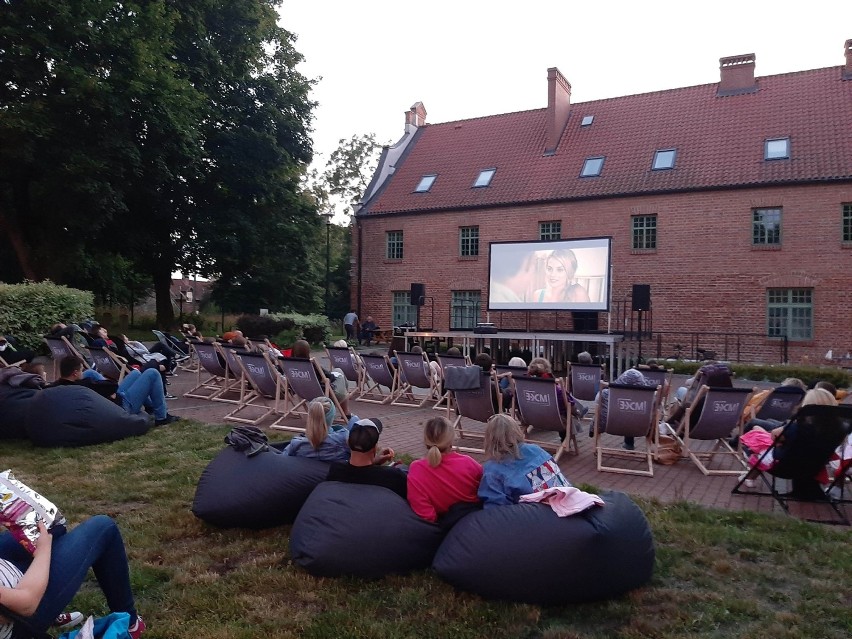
(418, 298)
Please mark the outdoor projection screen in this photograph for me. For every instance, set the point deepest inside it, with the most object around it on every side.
(558, 275)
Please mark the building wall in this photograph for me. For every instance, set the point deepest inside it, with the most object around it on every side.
(705, 275)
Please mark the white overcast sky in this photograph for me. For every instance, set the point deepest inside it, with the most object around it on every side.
(465, 58)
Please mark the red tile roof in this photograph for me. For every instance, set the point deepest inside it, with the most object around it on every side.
(719, 142)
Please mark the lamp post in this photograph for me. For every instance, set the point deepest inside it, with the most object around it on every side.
(327, 217)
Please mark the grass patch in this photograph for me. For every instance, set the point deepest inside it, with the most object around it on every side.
(719, 574)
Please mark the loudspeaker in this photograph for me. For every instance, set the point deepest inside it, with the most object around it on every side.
(641, 297)
(585, 321)
(418, 294)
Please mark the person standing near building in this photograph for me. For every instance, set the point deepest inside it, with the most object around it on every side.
(350, 322)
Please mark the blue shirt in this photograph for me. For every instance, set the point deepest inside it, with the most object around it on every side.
(504, 481)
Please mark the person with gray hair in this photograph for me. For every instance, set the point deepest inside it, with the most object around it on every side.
(585, 358)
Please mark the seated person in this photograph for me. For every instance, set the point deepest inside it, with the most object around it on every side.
(40, 586)
(368, 327)
(540, 367)
(12, 353)
(71, 373)
(189, 330)
(630, 377)
(322, 441)
(366, 465)
(756, 402)
(302, 350)
(714, 374)
(484, 361)
(513, 467)
(431, 368)
(444, 477)
(585, 358)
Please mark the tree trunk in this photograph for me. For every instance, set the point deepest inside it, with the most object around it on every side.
(9, 226)
(163, 293)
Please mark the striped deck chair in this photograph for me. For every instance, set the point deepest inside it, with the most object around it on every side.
(266, 384)
(475, 404)
(214, 378)
(305, 382)
(109, 364)
(448, 361)
(61, 347)
(719, 411)
(414, 372)
(538, 405)
(378, 372)
(632, 411)
(345, 359)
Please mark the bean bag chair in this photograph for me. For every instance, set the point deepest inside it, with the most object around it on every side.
(78, 416)
(14, 411)
(526, 553)
(362, 531)
(262, 491)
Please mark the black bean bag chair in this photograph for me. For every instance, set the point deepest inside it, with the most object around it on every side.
(262, 491)
(526, 553)
(360, 530)
(77, 416)
(14, 411)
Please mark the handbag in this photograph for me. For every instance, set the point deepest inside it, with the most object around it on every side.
(115, 625)
(668, 450)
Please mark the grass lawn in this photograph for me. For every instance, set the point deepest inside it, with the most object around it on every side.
(719, 574)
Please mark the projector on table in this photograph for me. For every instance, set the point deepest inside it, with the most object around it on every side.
(485, 328)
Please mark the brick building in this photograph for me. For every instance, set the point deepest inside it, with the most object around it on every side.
(732, 200)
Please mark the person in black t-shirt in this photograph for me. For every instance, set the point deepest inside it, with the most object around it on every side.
(366, 464)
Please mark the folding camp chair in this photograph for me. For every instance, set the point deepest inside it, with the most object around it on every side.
(448, 361)
(719, 412)
(378, 372)
(266, 383)
(344, 358)
(109, 364)
(806, 445)
(184, 357)
(61, 347)
(631, 411)
(305, 382)
(473, 403)
(240, 385)
(540, 406)
(214, 378)
(414, 372)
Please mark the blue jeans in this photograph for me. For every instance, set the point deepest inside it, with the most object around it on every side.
(95, 543)
(91, 373)
(143, 389)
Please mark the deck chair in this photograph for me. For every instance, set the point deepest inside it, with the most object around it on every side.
(61, 347)
(213, 376)
(663, 378)
(719, 411)
(109, 364)
(778, 406)
(266, 383)
(584, 384)
(718, 378)
(239, 389)
(631, 412)
(305, 382)
(503, 371)
(4, 363)
(448, 361)
(807, 443)
(378, 372)
(345, 359)
(476, 404)
(538, 405)
(414, 372)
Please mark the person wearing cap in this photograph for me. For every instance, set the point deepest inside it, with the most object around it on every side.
(366, 464)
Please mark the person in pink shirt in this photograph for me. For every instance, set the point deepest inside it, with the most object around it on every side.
(444, 481)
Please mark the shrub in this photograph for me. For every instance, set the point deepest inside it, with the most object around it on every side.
(772, 373)
(286, 327)
(28, 310)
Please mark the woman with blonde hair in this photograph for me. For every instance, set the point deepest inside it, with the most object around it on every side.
(513, 467)
(320, 440)
(559, 285)
(444, 478)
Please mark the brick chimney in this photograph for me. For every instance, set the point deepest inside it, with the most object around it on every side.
(415, 116)
(847, 70)
(737, 75)
(558, 106)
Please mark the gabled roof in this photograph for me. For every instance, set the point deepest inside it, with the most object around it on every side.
(719, 142)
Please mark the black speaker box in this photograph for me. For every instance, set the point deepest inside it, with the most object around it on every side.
(418, 294)
(641, 297)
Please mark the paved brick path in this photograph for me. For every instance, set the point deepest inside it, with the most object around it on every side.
(404, 428)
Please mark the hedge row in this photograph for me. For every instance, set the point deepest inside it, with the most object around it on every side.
(28, 310)
(286, 328)
(773, 373)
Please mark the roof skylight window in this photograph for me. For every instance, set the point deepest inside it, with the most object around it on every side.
(425, 183)
(592, 167)
(776, 149)
(664, 159)
(587, 120)
(484, 177)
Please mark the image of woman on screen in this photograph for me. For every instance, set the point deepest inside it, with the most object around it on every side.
(559, 270)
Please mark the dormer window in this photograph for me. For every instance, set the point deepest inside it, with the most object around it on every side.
(776, 149)
(592, 167)
(664, 160)
(425, 183)
(587, 120)
(484, 177)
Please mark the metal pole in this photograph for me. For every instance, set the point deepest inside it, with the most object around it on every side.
(327, 258)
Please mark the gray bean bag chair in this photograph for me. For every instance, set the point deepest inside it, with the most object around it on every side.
(526, 553)
(78, 416)
(362, 531)
(262, 491)
(14, 411)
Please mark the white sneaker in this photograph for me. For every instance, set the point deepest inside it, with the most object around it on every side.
(748, 483)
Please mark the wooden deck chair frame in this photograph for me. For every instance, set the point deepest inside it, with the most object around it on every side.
(378, 372)
(266, 384)
(344, 358)
(719, 419)
(538, 401)
(446, 361)
(501, 371)
(819, 431)
(61, 347)
(239, 385)
(476, 404)
(109, 364)
(4, 363)
(301, 389)
(663, 379)
(584, 384)
(414, 372)
(632, 411)
(213, 377)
